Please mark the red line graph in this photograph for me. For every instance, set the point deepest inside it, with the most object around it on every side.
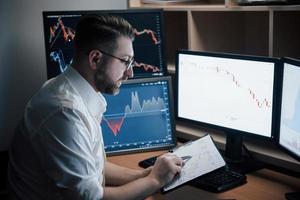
(147, 67)
(148, 32)
(55, 31)
(115, 124)
(259, 103)
(133, 109)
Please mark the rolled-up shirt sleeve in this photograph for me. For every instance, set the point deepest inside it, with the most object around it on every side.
(69, 153)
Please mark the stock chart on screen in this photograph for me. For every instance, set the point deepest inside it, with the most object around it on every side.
(59, 33)
(139, 117)
(238, 91)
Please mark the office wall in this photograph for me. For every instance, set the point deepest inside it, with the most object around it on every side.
(22, 53)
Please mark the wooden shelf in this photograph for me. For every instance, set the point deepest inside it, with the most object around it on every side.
(210, 5)
(177, 6)
(223, 26)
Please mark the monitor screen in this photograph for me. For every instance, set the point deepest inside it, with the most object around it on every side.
(231, 93)
(140, 117)
(289, 132)
(59, 32)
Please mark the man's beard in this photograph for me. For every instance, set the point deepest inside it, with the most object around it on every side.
(103, 81)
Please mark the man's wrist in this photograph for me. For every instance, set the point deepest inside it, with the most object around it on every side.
(154, 183)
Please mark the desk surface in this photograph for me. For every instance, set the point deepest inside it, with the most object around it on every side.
(264, 184)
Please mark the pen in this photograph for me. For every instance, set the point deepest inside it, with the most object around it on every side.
(185, 158)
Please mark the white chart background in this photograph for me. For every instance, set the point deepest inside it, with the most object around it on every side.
(290, 136)
(217, 91)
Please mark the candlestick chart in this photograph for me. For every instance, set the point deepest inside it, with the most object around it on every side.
(239, 92)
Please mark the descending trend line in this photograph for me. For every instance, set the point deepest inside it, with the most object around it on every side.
(150, 105)
(148, 32)
(58, 56)
(56, 30)
(259, 103)
(146, 67)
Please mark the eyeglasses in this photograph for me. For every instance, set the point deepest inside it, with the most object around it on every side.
(128, 63)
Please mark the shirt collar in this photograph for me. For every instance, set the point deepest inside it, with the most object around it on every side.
(93, 100)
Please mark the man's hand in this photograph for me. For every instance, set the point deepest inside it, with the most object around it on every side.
(165, 168)
(149, 180)
(147, 171)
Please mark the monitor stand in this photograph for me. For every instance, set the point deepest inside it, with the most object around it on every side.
(234, 155)
(292, 196)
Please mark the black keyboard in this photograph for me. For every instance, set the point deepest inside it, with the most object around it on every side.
(219, 180)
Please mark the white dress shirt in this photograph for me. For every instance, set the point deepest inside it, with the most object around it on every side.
(57, 151)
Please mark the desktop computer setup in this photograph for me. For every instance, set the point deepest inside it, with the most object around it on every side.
(241, 95)
(235, 94)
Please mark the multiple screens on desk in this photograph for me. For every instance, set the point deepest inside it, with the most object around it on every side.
(141, 116)
(232, 93)
(238, 94)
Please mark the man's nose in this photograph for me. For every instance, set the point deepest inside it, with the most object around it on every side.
(130, 72)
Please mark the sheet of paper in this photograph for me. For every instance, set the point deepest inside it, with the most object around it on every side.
(205, 158)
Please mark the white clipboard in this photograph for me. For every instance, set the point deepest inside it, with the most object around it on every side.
(205, 158)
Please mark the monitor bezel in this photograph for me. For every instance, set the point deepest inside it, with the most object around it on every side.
(171, 113)
(84, 12)
(294, 62)
(223, 129)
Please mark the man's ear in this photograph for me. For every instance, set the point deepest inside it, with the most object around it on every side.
(94, 58)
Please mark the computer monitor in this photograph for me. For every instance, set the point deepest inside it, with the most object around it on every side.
(231, 93)
(289, 130)
(140, 118)
(149, 47)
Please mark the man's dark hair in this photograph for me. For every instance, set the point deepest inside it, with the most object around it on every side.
(101, 31)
